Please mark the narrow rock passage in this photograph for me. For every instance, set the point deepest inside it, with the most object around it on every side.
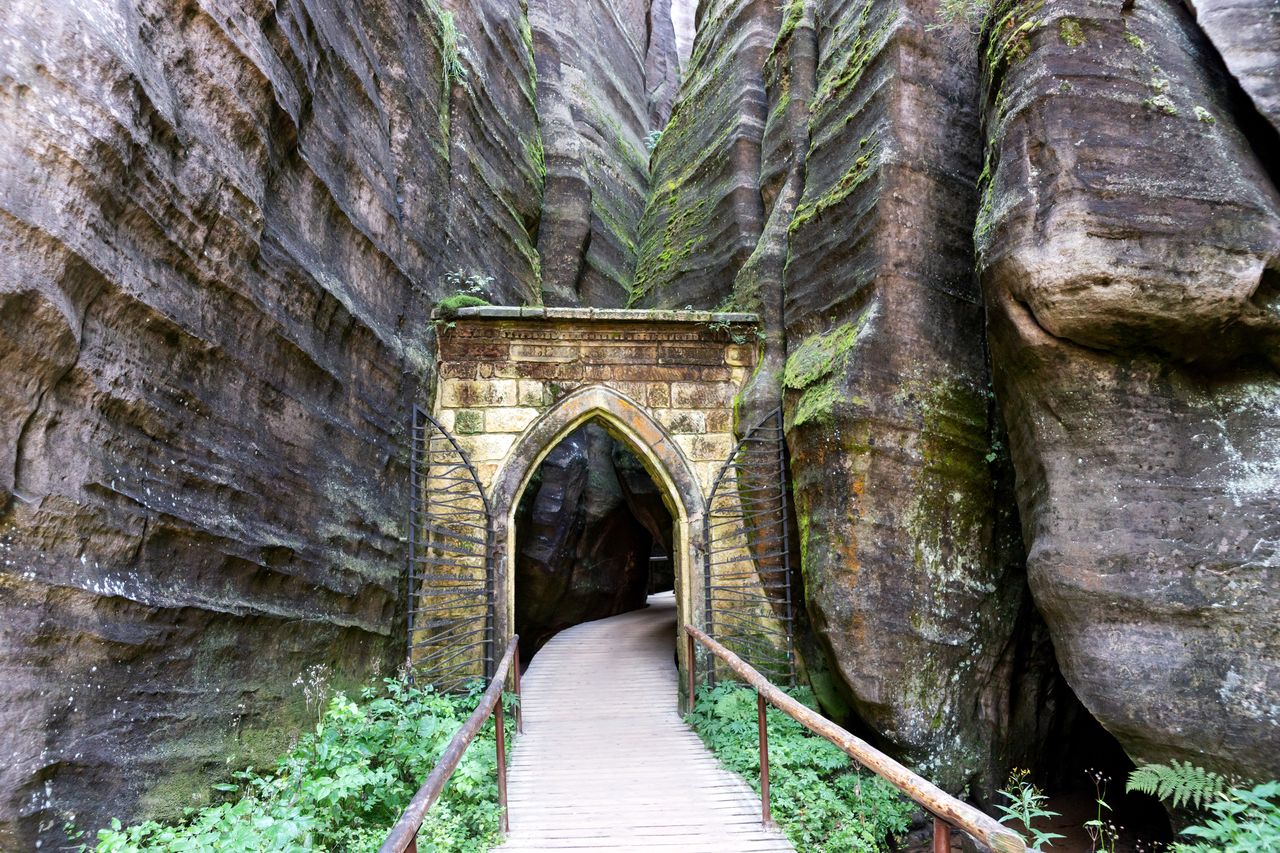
(606, 763)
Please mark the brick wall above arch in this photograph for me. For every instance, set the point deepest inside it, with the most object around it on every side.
(502, 368)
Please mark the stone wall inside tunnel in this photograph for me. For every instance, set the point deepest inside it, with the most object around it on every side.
(584, 540)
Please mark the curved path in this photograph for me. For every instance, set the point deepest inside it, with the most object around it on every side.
(605, 762)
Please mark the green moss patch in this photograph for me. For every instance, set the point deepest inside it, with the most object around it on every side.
(450, 304)
(1071, 32)
(816, 367)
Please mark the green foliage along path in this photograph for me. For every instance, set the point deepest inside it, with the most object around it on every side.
(821, 801)
(344, 785)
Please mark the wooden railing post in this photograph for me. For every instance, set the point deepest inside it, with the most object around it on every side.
(941, 836)
(499, 736)
(765, 818)
(515, 674)
(690, 666)
(946, 808)
(404, 835)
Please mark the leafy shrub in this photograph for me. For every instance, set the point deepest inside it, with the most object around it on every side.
(1243, 821)
(1026, 806)
(345, 784)
(818, 797)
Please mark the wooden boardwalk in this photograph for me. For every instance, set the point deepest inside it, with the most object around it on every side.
(605, 762)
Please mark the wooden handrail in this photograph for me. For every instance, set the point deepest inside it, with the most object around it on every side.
(945, 808)
(403, 836)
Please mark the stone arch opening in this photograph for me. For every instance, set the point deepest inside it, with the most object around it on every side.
(513, 382)
(592, 535)
(627, 422)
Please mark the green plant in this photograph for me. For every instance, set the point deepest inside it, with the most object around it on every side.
(1104, 835)
(344, 785)
(1026, 806)
(1244, 821)
(738, 337)
(972, 12)
(537, 156)
(818, 797)
(1071, 32)
(315, 688)
(652, 138)
(1180, 782)
(450, 43)
(470, 290)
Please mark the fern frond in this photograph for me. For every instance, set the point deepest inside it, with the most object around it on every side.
(1180, 782)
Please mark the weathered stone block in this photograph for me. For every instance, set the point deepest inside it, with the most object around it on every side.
(677, 354)
(706, 448)
(658, 395)
(486, 471)
(719, 420)
(509, 419)
(543, 352)
(487, 447)
(636, 354)
(740, 355)
(533, 392)
(463, 393)
(688, 421)
(466, 421)
(699, 395)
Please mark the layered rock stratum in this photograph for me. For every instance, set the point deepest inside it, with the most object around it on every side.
(1129, 246)
(224, 227)
(1092, 411)
(1019, 271)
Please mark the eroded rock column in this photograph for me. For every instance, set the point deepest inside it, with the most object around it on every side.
(1130, 238)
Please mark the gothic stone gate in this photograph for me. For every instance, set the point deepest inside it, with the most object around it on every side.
(512, 383)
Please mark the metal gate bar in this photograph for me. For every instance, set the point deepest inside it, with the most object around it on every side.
(747, 563)
(451, 544)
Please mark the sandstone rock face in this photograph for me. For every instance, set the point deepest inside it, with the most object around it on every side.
(1129, 246)
(1247, 35)
(704, 212)
(838, 201)
(915, 584)
(607, 72)
(1129, 242)
(225, 224)
(1113, 249)
(583, 555)
(224, 227)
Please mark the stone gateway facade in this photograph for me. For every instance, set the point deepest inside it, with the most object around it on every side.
(513, 382)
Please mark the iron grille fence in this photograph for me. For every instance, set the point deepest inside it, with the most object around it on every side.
(451, 584)
(747, 564)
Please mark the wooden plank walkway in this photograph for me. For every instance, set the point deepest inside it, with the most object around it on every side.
(605, 762)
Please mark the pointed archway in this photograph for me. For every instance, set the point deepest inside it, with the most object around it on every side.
(629, 423)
